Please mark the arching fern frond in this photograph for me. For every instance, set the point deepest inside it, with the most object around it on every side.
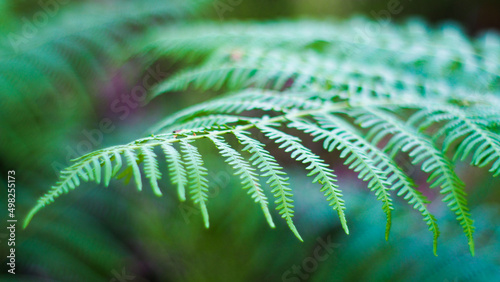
(370, 103)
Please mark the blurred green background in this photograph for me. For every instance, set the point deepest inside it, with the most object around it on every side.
(64, 64)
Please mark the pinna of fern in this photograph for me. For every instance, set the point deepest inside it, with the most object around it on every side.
(352, 113)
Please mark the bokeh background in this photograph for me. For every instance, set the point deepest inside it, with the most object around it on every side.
(64, 64)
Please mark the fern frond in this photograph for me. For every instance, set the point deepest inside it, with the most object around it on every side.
(406, 84)
(332, 34)
(421, 149)
(151, 169)
(427, 50)
(395, 175)
(357, 160)
(107, 169)
(176, 169)
(118, 159)
(70, 179)
(132, 160)
(278, 70)
(277, 177)
(198, 183)
(472, 129)
(316, 166)
(247, 175)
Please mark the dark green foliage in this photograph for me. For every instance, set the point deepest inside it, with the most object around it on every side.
(59, 66)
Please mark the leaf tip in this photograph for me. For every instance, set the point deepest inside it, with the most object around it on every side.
(471, 248)
(30, 215)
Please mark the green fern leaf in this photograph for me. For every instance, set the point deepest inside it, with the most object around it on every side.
(132, 163)
(434, 162)
(277, 177)
(197, 181)
(176, 169)
(357, 159)
(247, 175)
(316, 166)
(151, 169)
(107, 169)
(396, 176)
(118, 159)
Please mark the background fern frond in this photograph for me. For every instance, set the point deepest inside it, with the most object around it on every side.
(63, 64)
